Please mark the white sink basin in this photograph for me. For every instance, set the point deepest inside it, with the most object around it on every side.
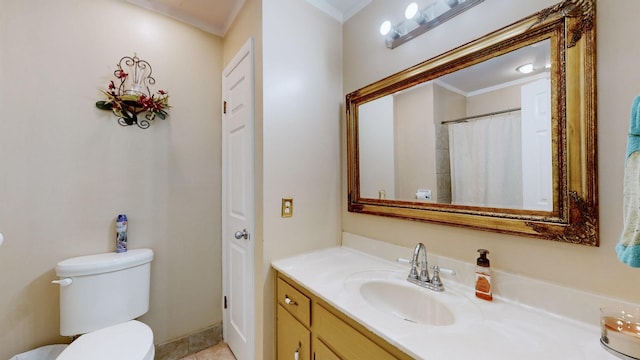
(407, 303)
(388, 296)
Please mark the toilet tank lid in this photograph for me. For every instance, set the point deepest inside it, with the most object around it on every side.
(103, 263)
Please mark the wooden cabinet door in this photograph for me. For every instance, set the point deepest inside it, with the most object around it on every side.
(292, 337)
(345, 340)
(322, 352)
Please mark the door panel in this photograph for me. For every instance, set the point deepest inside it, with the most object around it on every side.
(536, 146)
(238, 205)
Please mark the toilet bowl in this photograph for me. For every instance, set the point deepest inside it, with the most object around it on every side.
(47, 352)
(131, 340)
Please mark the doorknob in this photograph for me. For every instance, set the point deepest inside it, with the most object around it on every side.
(242, 234)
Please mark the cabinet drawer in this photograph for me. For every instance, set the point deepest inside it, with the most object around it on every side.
(295, 302)
(347, 342)
(292, 337)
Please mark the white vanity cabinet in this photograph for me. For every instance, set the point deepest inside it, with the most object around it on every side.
(315, 330)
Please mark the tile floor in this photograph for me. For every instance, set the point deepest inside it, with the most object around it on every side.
(217, 352)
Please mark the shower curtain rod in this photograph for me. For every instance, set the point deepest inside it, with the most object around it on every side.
(479, 116)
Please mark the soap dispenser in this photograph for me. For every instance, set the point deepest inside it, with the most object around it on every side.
(483, 276)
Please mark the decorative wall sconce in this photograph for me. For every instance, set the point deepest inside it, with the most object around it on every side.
(133, 96)
(418, 21)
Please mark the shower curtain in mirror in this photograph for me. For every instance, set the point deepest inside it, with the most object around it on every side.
(486, 161)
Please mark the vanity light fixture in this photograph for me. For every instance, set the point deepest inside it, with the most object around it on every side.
(525, 69)
(418, 21)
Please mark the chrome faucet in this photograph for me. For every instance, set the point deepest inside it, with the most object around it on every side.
(423, 279)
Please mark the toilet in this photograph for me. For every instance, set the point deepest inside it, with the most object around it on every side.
(100, 296)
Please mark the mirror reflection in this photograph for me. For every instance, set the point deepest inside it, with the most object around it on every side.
(480, 136)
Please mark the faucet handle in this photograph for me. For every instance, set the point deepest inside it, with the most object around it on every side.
(435, 280)
(444, 270)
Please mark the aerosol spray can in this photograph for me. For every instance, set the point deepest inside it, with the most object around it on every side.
(121, 233)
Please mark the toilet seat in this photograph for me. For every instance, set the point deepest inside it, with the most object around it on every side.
(131, 340)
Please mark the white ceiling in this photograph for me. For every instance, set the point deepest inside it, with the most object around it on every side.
(215, 16)
(501, 71)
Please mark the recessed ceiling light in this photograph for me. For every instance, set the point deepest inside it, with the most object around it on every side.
(525, 69)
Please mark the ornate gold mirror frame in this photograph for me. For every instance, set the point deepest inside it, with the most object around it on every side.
(570, 27)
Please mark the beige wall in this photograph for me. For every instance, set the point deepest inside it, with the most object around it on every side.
(415, 158)
(68, 168)
(593, 269)
(496, 100)
(301, 152)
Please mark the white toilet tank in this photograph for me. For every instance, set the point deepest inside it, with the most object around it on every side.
(104, 290)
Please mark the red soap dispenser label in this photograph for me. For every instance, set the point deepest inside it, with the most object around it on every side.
(483, 286)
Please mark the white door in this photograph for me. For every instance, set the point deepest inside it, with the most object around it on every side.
(238, 204)
(537, 185)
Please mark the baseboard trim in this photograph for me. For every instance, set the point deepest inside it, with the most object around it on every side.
(189, 344)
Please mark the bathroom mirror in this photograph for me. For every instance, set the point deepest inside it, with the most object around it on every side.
(464, 139)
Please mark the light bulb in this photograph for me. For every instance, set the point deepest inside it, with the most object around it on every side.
(525, 69)
(385, 28)
(411, 11)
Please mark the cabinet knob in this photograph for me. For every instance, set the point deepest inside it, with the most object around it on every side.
(288, 301)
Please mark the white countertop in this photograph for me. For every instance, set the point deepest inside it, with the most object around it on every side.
(493, 330)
